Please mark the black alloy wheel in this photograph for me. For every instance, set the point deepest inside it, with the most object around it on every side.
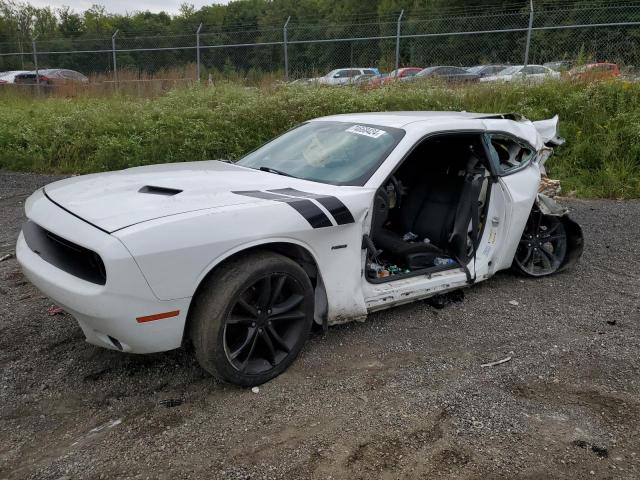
(265, 323)
(543, 246)
(251, 317)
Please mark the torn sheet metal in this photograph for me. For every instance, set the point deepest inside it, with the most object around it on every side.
(549, 206)
(548, 131)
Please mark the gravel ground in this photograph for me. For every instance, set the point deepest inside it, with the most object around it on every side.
(400, 396)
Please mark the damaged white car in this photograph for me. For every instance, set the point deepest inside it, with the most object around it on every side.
(339, 217)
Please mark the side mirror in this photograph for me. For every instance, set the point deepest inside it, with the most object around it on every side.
(336, 75)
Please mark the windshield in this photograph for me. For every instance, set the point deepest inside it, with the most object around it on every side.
(476, 69)
(338, 153)
(510, 70)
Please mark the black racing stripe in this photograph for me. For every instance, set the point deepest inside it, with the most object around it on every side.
(309, 210)
(338, 209)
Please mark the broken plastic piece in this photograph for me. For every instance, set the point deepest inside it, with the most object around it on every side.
(499, 362)
(443, 261)
(409, 237)
(55, 310)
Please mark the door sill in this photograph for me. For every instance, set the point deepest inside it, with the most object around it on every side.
(415, 273)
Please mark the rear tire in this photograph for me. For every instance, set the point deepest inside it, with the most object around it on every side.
(252, 317)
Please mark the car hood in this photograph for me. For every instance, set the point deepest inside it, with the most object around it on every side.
(115, 200)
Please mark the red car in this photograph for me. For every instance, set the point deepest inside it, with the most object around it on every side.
(595, 71)
(391, 77)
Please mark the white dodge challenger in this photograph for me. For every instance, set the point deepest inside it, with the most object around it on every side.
(336, 218)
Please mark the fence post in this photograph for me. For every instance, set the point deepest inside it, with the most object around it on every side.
(286, 50)
(198, 51)
(21, 47)
(35, 63)
(526, 51)
(113, 51)
(398, 42)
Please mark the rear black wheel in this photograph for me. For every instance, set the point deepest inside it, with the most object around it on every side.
(543, 246)
(252, 318)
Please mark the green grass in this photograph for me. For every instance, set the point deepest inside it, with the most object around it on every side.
(601, 122)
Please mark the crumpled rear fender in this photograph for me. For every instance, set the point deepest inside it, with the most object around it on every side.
(575, 238)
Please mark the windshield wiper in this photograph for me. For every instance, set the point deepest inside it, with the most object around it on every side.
(273, 170)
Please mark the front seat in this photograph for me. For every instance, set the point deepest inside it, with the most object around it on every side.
(435, 208)
(414, 255)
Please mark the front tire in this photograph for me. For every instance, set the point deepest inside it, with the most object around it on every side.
(252, 317)
(542, 250)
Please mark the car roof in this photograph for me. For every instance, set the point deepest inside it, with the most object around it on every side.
(400, 119)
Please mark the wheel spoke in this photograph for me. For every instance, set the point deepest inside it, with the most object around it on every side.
(532, 259)
(295, 315)
(269, 343)
(553, 238)
(249, 340)
(250, 309)
(552, 229)
(289, 304)
(550, 256)
(277, 289)
(264, 292)
(243, 367)
(527, 256)
(546, 261)
(278, 339)
(240, 320)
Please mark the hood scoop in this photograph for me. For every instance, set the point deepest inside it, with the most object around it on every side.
(153, 190)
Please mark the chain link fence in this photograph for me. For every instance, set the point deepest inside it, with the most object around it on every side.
(529, 32)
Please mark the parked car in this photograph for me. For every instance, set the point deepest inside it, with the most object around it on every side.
(530, 73)
(595, 71)
(394, 75)
(446, 73)
(363, 79)
(559, 66)
(9, 77)
(339, 217)
(343, 76)
(486, 70)
(51, 77)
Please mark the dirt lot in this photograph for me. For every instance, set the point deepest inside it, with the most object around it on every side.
(400, 396)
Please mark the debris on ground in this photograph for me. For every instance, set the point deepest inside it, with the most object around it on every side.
(6, 257)
(171, 402)
(602, 452)
(255, 390)
(95, 432)
(440, 301)
(55, 310)
(498, 362)
(515, 303)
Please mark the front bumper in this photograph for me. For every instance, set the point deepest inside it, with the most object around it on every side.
(106, 313)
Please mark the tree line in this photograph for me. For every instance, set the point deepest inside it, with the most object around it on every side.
(261, 21)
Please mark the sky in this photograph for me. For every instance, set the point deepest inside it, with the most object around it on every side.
(124, 6)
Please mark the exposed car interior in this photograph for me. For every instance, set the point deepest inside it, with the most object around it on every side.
(430, 214)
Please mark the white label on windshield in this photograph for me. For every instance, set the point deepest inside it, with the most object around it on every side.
(366, 131)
